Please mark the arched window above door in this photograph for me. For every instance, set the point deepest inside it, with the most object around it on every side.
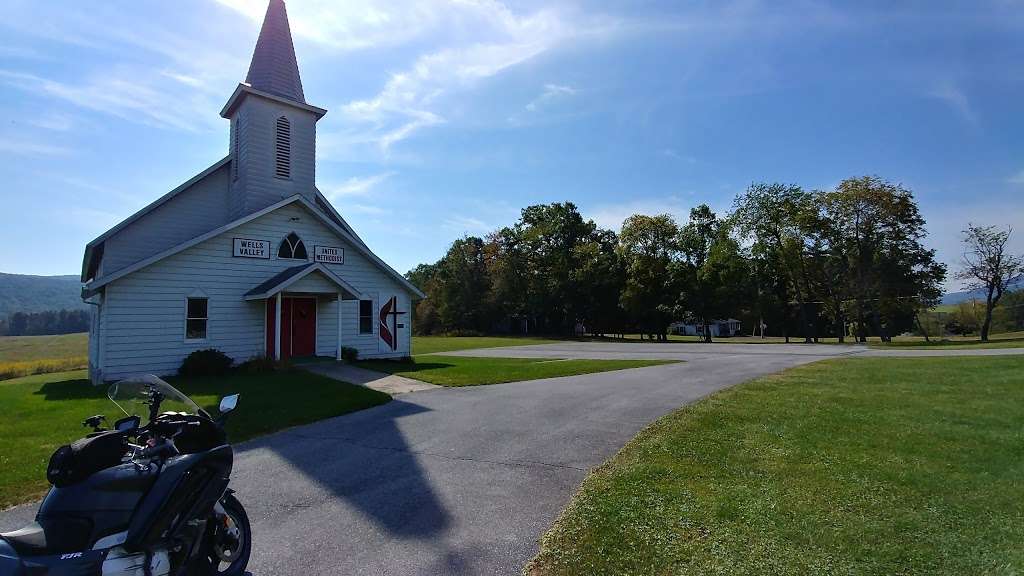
(292, 247)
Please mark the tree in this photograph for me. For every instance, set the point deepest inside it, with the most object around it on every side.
(462, 285)
(600, 275)
(647, 246)
(507, 270)
(711, 274)
(776, 216)
(550, 236)
(878, 230)
(988, 266)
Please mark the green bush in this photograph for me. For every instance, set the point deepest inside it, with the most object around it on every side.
(259, 365)
(208, 362)
(349, 354)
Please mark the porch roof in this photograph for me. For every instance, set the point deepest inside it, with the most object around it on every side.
(282, 280)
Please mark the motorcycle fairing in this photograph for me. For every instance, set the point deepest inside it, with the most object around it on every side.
(84, 563)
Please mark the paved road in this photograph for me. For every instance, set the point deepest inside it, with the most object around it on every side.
(464, 480)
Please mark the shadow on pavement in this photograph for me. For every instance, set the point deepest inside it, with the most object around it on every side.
(364, 459)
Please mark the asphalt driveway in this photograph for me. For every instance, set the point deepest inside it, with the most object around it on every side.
(464, 480)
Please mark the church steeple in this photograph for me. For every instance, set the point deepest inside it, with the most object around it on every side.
(273, 129)
(274, 69)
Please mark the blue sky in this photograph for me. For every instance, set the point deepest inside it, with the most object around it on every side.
(445, 118)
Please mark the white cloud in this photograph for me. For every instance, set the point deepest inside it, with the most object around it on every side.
(356, 185)
(364, 209)
(124, 97)
(88, 218)
(675, 155)
(956, 99)
(551, 92)
(1017, 178)
(611, 215)
(31, 148)
(53, 121)
(467, 225)
(360, 25)
(415, 98)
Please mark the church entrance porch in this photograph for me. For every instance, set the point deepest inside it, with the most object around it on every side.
(298, 326)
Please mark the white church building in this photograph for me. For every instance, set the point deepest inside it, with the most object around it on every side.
(247, 257)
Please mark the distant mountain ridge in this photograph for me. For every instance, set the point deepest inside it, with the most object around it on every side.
(958, 297)
(26, 293)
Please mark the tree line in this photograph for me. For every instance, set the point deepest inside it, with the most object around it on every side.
(46, 322)
(785, 260)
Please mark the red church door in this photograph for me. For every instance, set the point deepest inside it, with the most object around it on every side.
(298, 327)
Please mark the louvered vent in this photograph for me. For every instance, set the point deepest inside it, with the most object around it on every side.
(234, 151)
(283, 150)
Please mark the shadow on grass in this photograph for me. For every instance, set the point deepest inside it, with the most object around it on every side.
(941, 343)
(392, 367)
(78, 389)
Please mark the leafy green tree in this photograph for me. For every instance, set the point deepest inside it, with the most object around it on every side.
(601, 277)
(776, 217)
(550, 236)
(507, 271)
(875, 227)
(462, 286)
(647, 247)
(712, 273)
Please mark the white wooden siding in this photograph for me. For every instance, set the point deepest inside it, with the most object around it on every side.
(256, 186)
(143, 320)
(194, 211)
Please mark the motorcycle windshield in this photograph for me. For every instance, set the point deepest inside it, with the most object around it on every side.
(134, 395)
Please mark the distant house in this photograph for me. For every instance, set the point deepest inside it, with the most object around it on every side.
(248, 256)
(718, 328)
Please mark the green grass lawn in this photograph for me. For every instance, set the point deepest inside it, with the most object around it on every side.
(852, 466)
(466, 371)
(1004, 340)
(40, 413)
(431, 344)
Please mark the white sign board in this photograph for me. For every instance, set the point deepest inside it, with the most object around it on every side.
(329, 254)
(246, 248)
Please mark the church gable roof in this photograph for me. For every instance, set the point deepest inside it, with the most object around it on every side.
(94, 286)
(274, 69)
(94, 249)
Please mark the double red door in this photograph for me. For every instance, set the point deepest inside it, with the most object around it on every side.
(298, 326)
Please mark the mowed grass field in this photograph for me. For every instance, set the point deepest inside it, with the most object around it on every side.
(852, 466)
(467, 371)
(39, 413)
(1002, 340)
(431, 344)
(24, 355)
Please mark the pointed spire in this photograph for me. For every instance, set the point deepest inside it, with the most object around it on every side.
(274, 68)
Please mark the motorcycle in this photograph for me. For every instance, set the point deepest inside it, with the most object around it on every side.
(138, 500)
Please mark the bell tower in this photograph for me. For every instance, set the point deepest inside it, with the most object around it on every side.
(273, 129)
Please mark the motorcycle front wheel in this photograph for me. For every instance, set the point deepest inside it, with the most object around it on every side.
(229, 540)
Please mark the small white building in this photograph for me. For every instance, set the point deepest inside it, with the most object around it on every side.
(718, 328)
(247, 257)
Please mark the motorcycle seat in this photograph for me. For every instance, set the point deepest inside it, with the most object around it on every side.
(38, 540)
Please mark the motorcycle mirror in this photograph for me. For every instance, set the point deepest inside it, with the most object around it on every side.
(228, 403)
(127, 424)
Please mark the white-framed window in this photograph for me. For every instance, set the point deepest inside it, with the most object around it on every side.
(283, 148)
(197, 317)
(366, 316)
(292, 247)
